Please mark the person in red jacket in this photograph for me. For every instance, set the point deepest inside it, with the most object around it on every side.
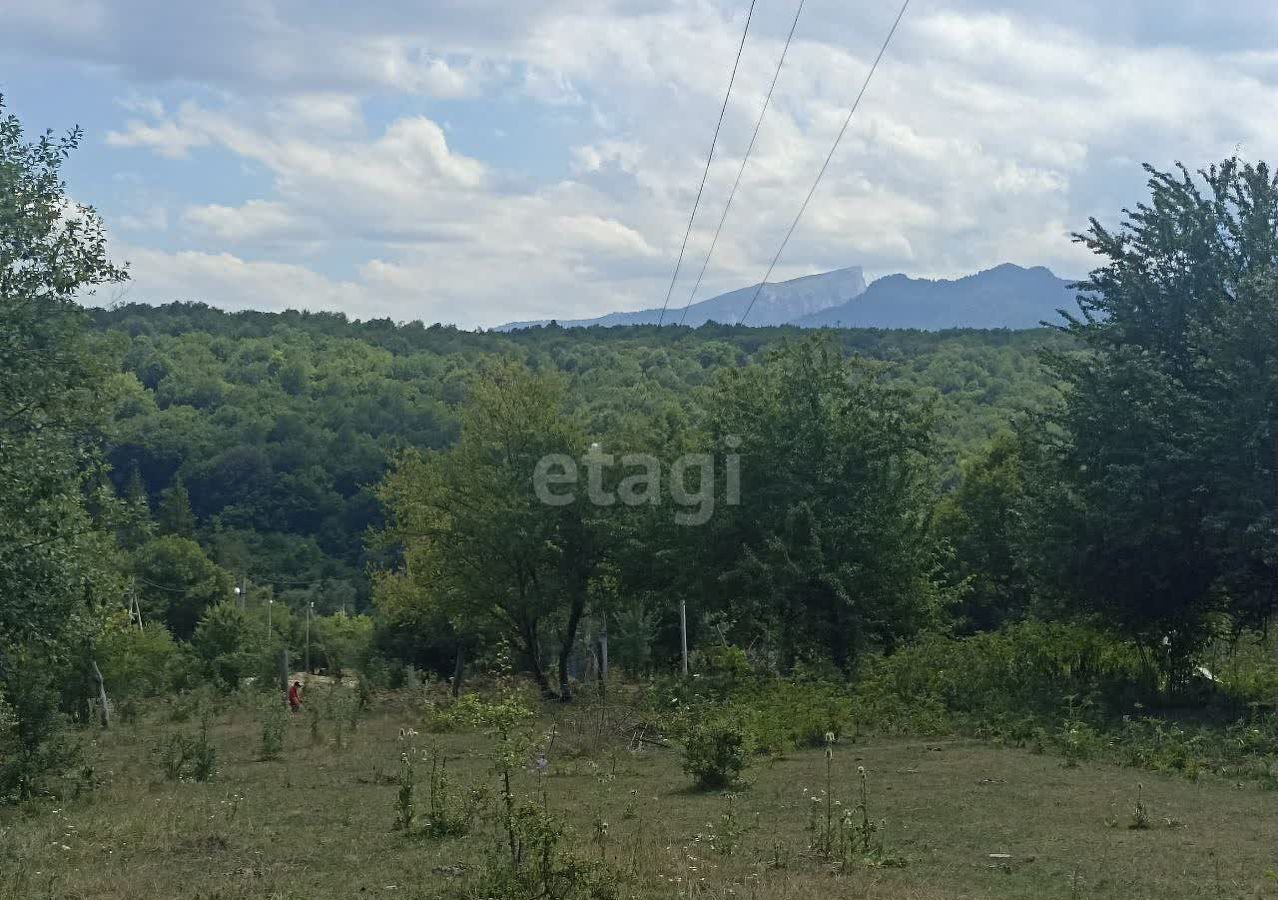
(295, 696)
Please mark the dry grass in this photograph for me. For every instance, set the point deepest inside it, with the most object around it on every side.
(318, 824)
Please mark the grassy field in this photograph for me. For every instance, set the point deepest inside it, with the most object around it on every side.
(962, 819)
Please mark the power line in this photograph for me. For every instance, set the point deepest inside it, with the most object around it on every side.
(709, 157)
(746, 158)
(829, 156)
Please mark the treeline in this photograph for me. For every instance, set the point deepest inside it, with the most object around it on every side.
(274, 429)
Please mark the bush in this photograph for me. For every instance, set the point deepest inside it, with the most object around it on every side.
(180, 757)
(716, 752)
(136, 663)
(274, 725)
(1046, 669)
(226, 646)
(33, 742)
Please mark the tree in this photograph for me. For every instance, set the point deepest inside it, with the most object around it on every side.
(176, 582)
(829, 551)
(982, 522)
(55, 562)
(175, 516)
(225, 640)
(341, 641)
(1155, 481)
(477, 541)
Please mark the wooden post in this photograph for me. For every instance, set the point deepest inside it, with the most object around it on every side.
(309, 607)
(284, 669)
(459, 669)
(104, 709)
(603, 649)
(683, 633)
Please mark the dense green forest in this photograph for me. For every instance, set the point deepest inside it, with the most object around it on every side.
(185, 493)
(278, 427)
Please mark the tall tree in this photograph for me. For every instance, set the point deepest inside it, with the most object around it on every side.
(52, 557)
(174, 515)
(1156, 482)
(828, 552)
(177, 582)
(478, 542)
(982, 521)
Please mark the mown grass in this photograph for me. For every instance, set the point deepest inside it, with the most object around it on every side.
(319, 821)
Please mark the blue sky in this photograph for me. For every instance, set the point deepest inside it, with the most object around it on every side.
(478, 161)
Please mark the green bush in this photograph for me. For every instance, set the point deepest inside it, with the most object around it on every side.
(275, 718)
(181, 757)
(134, 662)
(34, 748)
(1033, 668)
(226, 645)
(716, 752)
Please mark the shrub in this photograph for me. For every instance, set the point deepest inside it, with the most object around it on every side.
(274, 725)
(136, 663)
(716, 752)
(33, 742)
(536, 864)
(225, 645)
(180, 757)
(203, 753)
(450, 815)
(1031, 667)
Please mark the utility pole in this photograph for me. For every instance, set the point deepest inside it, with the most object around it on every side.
(270, 608)
(135, 608)
(683, 633)
(603, 649)
(310, 608)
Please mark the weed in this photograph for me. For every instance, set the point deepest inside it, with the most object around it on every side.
(203, 754)
(405, 798)
(1140, 815)
(449, 816)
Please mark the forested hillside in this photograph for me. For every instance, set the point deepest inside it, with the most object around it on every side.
(279, 426)
(770, 534)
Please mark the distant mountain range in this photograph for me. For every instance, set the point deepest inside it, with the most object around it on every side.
(1006, 296)
(778, 304)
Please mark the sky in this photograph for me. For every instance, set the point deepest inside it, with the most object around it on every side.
(480, 161)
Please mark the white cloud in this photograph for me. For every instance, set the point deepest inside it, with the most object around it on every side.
(231, 282)
(165, 138)
(254, 220)
(988, 135)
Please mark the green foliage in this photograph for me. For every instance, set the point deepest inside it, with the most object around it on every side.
(274, 718)
(1030, 667)
(174, 515)
(479, 544)
(982, 521)
(135, 662)
(539, 864)
(449, 815)
(716, 752)
(180, 756)
(33, 741)
(56, 549)
(177, 582)
(831, 555)
(228, 645)
(406, 796)
(1153, 483)
(341, 642)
